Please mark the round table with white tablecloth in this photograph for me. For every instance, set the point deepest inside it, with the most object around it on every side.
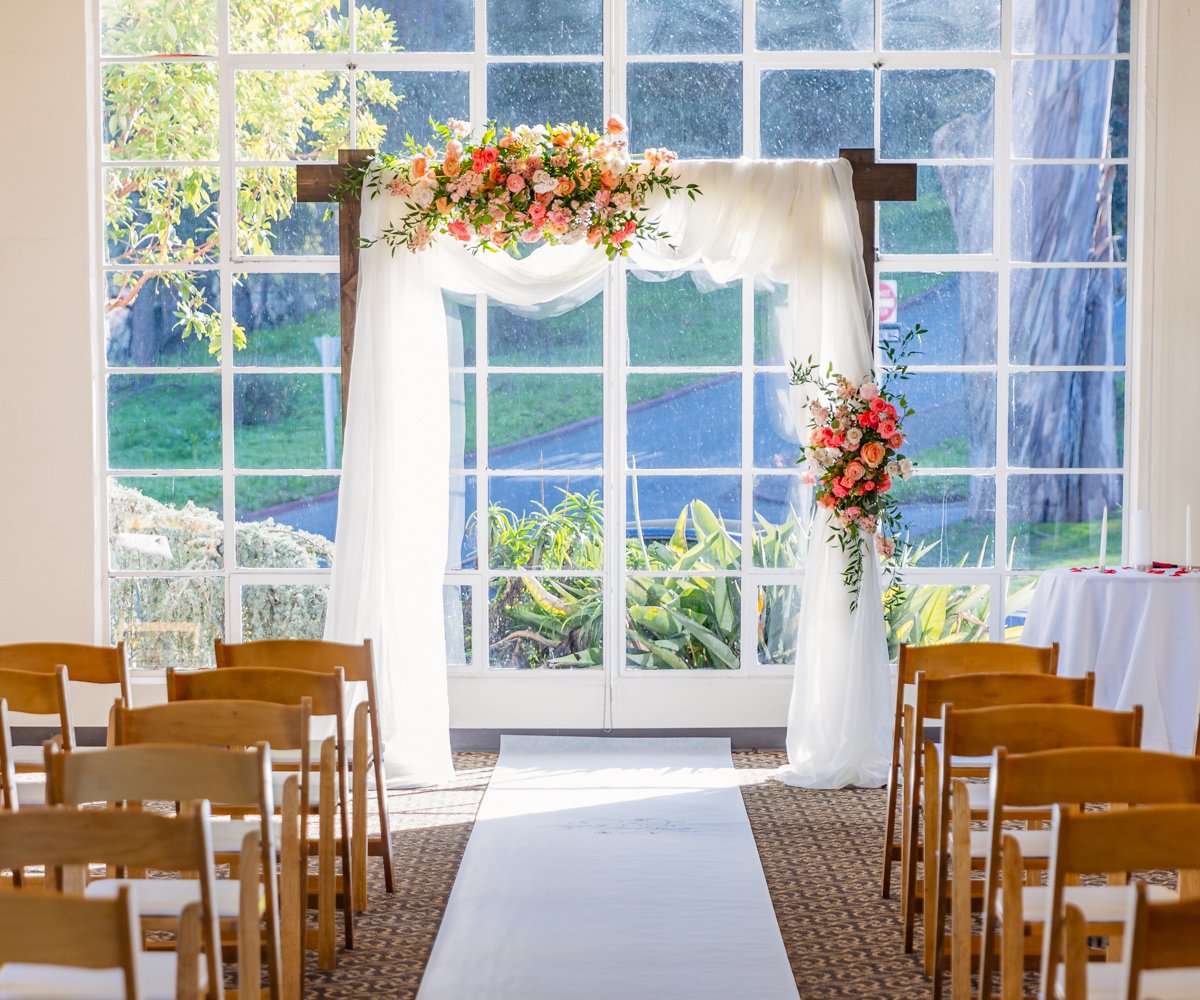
(1139, 632)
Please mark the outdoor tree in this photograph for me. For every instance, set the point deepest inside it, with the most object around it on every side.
(166, 111)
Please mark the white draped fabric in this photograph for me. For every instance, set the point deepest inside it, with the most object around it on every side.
(793, 221)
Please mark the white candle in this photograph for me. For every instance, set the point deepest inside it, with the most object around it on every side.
(1139, 541)
(1104, 537)
(1187, 539)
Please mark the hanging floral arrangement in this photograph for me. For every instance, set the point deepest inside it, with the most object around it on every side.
(853, 456)
(524, 185)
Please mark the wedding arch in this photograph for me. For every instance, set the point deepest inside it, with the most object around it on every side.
(807, 224)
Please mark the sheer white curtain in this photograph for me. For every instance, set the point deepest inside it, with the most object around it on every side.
(793, 221)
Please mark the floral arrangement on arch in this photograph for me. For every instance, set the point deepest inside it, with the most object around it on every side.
(854, 456)
(523, 185)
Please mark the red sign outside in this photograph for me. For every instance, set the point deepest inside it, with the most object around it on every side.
(886, 298)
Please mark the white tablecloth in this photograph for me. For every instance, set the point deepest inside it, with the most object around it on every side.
(1139, 632)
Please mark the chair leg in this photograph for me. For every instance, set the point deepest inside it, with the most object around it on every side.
(358, 808)
(889, 832)
(385, 825)
(1012, 932)
(344, 845)
(960, 907)
(931, 871)
(326, 853)
(293, 907)
(249, 936)
(910, 813)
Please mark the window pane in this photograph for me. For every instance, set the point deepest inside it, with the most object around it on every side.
(957, 309)
(692, 108)
(1068, 213)
(1054, 520)
(155, 320)
(683, 623)
(283, 611)
(1020, 594)
(286, 522)
(258, 27)
(456, 600)
(289, 319)
(545, 27)
(685, 421)
(167, 621)
(929, 614)
(815, 24)
(546, 522)
(1067, 420)
(770, 323)
(463, 421)
(164, 421)
(661, 26)
(780, 529)
(1070, 109)
(167, 522)
(157, 27)
(668, 515)
(951, 520)
(941, 24)
(160, 215)
(293, 113)
(1063, 26)
(930, 225)
(462, 551)
(955, 422)
(685, 320)
(287, 421)
(778, 623)
(517, 338)
(545, 622)
(945, 113)
(525, 93)
(160, 111)
(814, 113)
(776, 436)
(271, 221)
(393, 105)
(545, 421)
(460, 326)
(1068, 316)
(394, 25)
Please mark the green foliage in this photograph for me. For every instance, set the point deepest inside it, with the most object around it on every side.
(164, 111)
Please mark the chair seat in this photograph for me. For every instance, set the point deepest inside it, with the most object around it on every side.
(279, 779)
(227, 836)
(31, 793)
(1100, 904)
(166, 897)
(157, 971)
(1106, 979)
(30, 755)
(1033, 843)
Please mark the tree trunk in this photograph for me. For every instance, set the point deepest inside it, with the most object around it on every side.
(1060, 317)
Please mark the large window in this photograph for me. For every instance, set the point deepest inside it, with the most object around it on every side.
(623, 484)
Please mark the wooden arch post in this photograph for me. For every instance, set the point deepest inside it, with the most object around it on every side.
(873, 182)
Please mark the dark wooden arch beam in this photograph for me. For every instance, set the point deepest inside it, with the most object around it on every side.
(873, 182)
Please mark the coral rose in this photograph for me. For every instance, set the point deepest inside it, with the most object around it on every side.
(886, 428)
(878, 405)
(896, 441)
(515, 183)
(854, 472)
(615, 125)
(873, 452)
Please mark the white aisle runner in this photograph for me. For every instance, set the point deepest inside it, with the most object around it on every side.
(614, 869)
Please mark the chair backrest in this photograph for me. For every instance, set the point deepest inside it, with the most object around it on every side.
(36, 693)
(355, 659)
(983, 690)
(86, 664)
(285, 687)
(1144, 838)
(224, 723)
(128, 839)
(975, 658)
(50, 929)
(1027, 728)
(1159, 936)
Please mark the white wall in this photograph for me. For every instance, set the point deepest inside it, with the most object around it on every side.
(48, 587)
(51, 580)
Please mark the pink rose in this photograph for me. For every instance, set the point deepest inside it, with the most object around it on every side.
(873, 452)
(458, 229)
(537, 213)
(602, 197)
(854, 471)
(886, 428)
(878, 405)
(868, 390)
(515, 183)
(531, 236)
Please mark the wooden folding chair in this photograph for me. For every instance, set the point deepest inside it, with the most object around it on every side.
(86, 664)
(1161, 957)
(326, 694)
(1040, 733)
(68, 841)
(937, 662)
(1115, 843)
(90, 947)
(963, 691)
(173, 773)
(30, 693)
(245, 724)
(358, 664)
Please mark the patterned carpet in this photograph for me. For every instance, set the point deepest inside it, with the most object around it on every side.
(820, 852)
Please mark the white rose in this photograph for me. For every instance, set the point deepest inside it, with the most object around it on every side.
(422, 193)
(892, 469)
(906, 468)
(853, 437)
(543, 183)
